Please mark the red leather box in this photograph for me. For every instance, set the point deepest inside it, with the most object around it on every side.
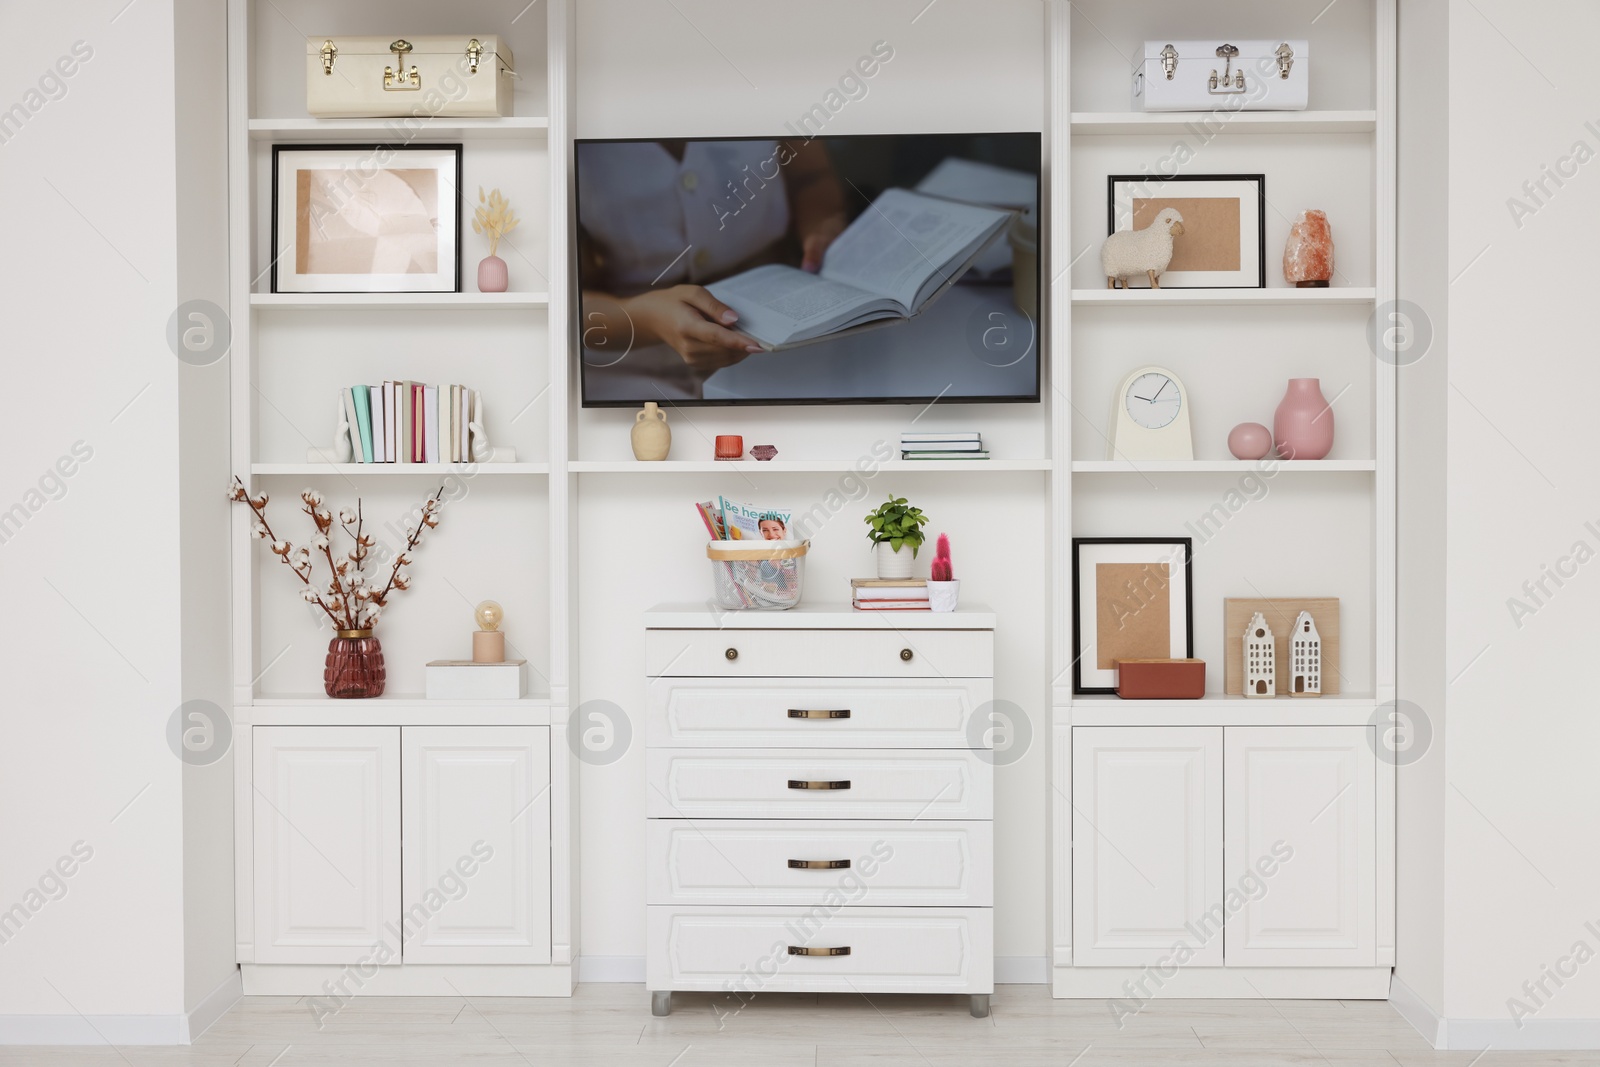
(1161, 679)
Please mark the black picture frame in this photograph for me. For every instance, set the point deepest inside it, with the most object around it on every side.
(369, 148)
(1184, 544)
(1260, 181)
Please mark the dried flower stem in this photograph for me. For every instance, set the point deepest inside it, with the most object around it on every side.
(429, 510)
(240, 493)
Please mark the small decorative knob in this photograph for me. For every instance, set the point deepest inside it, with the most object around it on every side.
(905, 654)
(732, 653)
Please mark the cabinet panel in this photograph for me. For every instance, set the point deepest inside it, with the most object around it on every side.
(326, 813)
(1146, 845)
(476, 810)
(1301, 854)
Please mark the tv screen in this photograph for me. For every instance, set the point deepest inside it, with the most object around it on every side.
(802, 270)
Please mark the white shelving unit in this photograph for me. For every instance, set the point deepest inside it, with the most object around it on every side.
(1288, 529)
(504, 535)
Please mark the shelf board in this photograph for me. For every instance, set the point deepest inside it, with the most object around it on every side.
(1111, 123)
(407, 301)
(1214, 709)
(1221, 466)
(396, 130)
(1224, 297)
(816, 615)
(401, 469)
(825, 466)
(404, 710)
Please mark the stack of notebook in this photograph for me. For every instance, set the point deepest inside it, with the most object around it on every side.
(889, 594)
(942, 444)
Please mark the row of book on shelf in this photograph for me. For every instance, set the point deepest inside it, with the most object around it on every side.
(410, 422)
(942, 444)
(889, 594)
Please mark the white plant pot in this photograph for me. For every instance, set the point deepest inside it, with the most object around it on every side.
(892, 564)
(942, 596)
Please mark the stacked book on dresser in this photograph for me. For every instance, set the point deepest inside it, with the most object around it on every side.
(889, 594)
(942, 444)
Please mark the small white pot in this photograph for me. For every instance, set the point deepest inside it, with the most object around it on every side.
(942, 596)
(892, 564)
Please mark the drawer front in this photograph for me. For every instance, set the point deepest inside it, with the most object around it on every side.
(697, 783)
(867, 713)
(819, 653)
(877, 864)
(891, 950)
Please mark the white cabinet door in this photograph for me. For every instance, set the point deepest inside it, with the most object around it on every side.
(326, 810)
(1146, 846)
(477, 844)
(1302, 819)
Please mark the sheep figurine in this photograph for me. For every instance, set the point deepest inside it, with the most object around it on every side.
(1129, 253)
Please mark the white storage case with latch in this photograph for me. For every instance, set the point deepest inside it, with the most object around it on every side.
(442, 75)
(1266, 75)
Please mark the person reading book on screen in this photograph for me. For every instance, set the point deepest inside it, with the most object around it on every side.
(658, 221)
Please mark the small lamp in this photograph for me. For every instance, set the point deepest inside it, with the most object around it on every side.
(488, 643)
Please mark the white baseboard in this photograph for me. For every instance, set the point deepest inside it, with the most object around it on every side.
(214, 1005)
(1471, 1035)
(1008, 970)
(94, 1029)
(1416, 1011)
(606, 969)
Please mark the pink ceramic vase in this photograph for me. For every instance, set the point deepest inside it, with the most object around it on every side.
(492, 275)
(1303, 425)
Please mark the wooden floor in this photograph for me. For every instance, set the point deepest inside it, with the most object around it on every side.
(611, 1026)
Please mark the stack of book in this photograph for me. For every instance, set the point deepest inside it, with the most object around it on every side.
(409, 422)
(889, 594)
(942, 444)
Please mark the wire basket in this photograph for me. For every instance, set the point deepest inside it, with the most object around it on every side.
(758, 575)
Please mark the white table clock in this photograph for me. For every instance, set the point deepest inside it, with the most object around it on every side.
(1150, 417)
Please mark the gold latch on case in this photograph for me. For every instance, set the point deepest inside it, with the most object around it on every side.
(474, 55)
(1169, 61)
(1285, 56)
(329, 51)
(397, 78)
(1232, 81)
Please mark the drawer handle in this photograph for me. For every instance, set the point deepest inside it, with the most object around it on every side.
(819, 865)
(819, 713)
(905, 654)
(732, 653)
(795, 783)
(804, 950)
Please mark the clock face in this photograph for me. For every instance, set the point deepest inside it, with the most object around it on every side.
(1153, 400)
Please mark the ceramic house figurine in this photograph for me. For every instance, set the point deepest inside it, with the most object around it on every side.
(1260, 652)
(1305, 658)
(1130, 253)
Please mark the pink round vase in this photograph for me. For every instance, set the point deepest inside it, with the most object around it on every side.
(1303, 425)
(1250, 440)
(492, 275)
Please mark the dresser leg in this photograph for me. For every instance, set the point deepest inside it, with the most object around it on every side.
(980, 1005)
(661, 1003)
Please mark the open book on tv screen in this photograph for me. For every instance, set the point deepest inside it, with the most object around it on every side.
(802, 269)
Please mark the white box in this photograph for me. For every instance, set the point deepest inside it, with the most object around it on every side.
(1239, 75)
(453, 76)
(460, 679)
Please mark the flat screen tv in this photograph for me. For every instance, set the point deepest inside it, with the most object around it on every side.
(792, 270)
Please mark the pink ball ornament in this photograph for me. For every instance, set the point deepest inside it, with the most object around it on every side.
(1250, 440)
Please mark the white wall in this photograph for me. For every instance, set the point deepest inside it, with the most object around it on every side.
(725, 67)
(1519, 792)
(90, 638)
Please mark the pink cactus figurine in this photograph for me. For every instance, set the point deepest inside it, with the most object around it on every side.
(939, 570)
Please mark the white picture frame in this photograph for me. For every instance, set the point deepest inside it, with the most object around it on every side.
(1088, 677)
(1125, 192)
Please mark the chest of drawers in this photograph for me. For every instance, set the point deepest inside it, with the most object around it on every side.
(820, 802)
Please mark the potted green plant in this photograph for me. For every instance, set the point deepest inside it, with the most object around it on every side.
(895, 525)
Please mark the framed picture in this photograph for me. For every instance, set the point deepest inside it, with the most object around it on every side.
(369, 218)
(1132, 598)
(1223, 245)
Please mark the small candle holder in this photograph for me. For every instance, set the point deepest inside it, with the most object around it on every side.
(730, 446)
(489, 643)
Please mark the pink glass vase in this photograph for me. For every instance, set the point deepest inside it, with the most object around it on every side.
(354, 667)
(1303, 425)
(493, 277)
